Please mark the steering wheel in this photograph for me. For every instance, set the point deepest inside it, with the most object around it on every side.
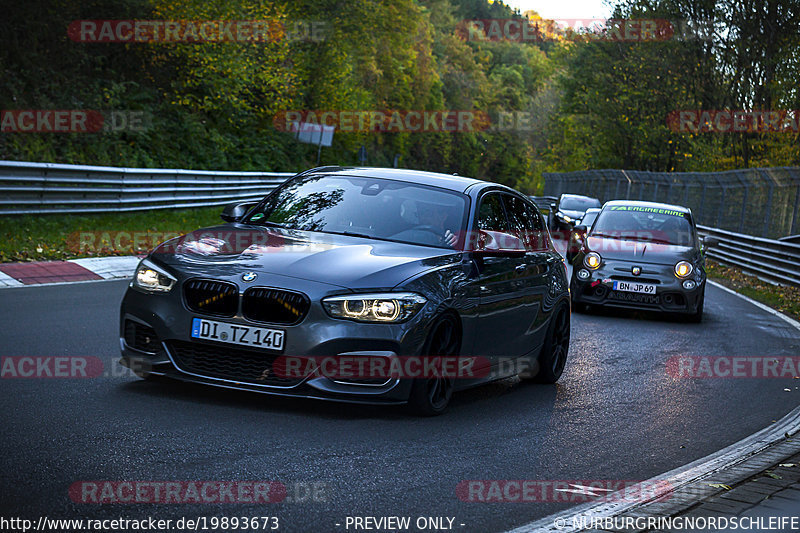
(427, 227)
(430, 229)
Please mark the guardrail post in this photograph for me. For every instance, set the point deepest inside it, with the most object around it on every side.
(121, 185)
(794, 229)
(628, 192)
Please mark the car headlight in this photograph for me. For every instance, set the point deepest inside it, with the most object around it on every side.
(566, 218)
(683, 269)
(384, 307)
(592, 260)
(149, 277)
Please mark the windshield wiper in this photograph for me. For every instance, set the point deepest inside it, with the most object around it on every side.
(353, 234)
(636, 238)
(645, 239)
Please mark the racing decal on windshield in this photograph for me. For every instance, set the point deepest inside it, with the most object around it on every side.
(648, 210)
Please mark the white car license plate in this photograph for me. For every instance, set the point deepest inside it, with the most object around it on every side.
(627, 286)
(268, 339)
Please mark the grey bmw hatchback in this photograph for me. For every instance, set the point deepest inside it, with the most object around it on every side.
(367, 285)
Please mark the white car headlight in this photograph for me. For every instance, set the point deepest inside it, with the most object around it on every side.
(567, 219)
(683, 269)
(150, 278)
(383, 307)
(592, 260)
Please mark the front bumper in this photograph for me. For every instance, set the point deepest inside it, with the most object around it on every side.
(670, 296)
(165, 317)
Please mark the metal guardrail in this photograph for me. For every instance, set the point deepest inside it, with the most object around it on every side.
(772, 260)
(41, 188)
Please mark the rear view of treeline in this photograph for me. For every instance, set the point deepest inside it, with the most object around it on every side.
(464, 86)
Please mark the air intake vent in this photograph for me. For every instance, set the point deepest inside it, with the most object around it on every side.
(274, 306)
(225, 362)
(141, 337)
(209, 297)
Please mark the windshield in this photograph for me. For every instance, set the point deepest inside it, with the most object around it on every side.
(589, 218)
(367, 207)
(573, 203)
(646, 224)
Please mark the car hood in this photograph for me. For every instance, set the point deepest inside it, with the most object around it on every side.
(340, 260)
(617, 249)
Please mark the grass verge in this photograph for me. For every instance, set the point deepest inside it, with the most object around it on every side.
(59, 237)
(783, 298)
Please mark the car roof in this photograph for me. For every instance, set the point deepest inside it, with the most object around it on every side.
(654, 205)
(433, 179)
(565, 195)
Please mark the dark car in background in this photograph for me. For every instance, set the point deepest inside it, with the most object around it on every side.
(578, 233)
(641, 255)
(569, 210)
(345, 262)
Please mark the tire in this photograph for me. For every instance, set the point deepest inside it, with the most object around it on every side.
(697, 316)
(553, 356)
(430, 395)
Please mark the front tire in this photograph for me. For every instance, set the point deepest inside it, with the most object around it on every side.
(553, 356)
(431, 395)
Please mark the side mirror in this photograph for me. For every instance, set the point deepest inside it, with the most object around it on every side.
(497, 243)
(235, 212)
(553, 207)
(709, 241)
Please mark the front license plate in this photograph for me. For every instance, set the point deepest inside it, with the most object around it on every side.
(627, 286)
(268, 339)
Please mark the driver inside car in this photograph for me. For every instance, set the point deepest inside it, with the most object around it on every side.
(434, 216)
(431, 217)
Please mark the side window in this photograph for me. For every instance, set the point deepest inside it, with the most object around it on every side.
(526, 223)
(491, 216)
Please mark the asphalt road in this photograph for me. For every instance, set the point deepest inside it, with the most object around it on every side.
(616, 414)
